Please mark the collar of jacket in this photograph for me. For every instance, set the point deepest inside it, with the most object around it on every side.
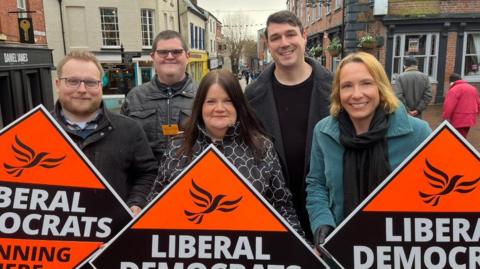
(399, 125)
(411, 68)
(262, 92)
(460, 81)
(232, 132)
(160, 90)
(104, 120)
(267, 75)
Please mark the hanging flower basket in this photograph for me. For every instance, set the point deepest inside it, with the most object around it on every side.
(335, 47)
(367, 42)
(316, 51)
(334, 52)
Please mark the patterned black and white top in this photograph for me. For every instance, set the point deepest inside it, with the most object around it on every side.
(265, 175)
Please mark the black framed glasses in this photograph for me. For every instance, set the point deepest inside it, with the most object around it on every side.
(74, 83)
(165, 53)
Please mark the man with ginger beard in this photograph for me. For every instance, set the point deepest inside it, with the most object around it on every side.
(289, 97)
(115, 144)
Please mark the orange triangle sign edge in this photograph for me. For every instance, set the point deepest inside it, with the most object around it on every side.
(210, 148)
(445, 125)
(41, 109)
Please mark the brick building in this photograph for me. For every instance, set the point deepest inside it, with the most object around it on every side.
(443, 34)
(25, 60)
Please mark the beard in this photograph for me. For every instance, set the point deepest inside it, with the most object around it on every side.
(80, 109)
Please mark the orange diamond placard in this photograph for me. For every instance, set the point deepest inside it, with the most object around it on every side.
(56, 209)
(424, 215)
(209, 217)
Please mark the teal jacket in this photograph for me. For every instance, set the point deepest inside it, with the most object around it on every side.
(325, 179)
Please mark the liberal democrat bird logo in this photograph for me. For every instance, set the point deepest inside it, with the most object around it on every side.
(446, 185)
(29, 158)
(205, 200)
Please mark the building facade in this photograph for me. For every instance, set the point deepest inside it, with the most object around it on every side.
(214, 60)
(443, 35)
(193, 21)
(120, 33)
(25, 60)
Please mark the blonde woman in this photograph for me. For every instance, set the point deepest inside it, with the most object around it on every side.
(367, 135)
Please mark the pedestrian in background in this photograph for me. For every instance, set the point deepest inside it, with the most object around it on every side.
(115, 144)
(222, 116)
(413, 88)
(246, 74)
(289, 97)
(367, 135)
(462, 104)
(163, 104)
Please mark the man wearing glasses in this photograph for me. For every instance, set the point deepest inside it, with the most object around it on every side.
(115, 144)
(163, 104)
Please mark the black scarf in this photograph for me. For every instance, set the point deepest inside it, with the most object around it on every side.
(365, 160)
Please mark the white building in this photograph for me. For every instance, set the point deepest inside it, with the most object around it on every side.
(103, 27)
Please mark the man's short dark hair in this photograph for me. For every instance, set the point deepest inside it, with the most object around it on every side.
(283, 16)
(410, 60)
(454, 77)
(168, 34)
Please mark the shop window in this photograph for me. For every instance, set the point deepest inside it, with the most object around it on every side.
(471, 57)
(148, 28)
(335, 63)
(33, 94)
(146, 74)
(118, 78)
(110, 32)
(6, 107)
(423, 46)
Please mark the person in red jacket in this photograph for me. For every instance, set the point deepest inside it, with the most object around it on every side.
(462, 104)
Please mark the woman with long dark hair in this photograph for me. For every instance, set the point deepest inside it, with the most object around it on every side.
(222, 116)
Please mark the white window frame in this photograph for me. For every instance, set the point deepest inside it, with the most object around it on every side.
(428, 56)
(319, 11)
(338, 4)
(335, 62)
(148, 27)
(115, 30)
(470, 78)
(22, 6)
(328, 8)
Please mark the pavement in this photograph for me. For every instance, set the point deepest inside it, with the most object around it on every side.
(433, 115)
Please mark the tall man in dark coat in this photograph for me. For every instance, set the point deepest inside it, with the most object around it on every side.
(114, 143)
(289, 98)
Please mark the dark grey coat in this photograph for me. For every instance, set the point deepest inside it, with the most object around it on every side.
(119, 150)
(154, 104)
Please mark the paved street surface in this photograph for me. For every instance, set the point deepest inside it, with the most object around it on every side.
(433, 115)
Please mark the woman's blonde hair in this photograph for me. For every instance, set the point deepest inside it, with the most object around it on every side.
(387, 95)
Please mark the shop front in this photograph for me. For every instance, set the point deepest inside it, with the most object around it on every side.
(120, 77)
(197, 64)
(25, 80)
